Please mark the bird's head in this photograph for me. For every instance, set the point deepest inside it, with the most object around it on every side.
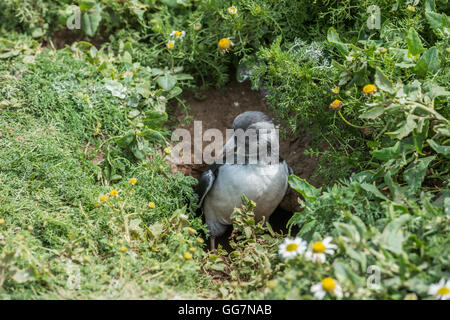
(253, 132)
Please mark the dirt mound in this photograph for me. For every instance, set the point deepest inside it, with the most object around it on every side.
(219, 107)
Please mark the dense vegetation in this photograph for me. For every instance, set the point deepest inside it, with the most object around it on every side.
(89, 208)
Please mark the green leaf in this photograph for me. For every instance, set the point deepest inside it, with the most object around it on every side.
(333, 38)
(345, 274)
(126, 58)
(383, 83)
(359, 224)
(420, 134)
(167, 82)
(438, 148)
(415, 175)
(152, 135)
(137, 151)
(358, 256)
(432, 90)
(373, 190)
(438, 22)
(37, 33)
(303, 187)
(392, 237)
(388, 153)
(413, 90)
(174, 92)
(133, 113)
(127, 139)
(404, 130)
(116, 88)
(184, 76)
(155, 119)
(415, 46)
(143, 89)
(86, 5)
(347, 230)
(428, 62)
(91, 20)
(372, 113)
(430, 5)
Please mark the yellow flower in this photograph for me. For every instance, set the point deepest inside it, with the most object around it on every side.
(96, 131)
(411, 8)
(232, 10)
(369, 89)
(335, 90)
(319, 249)
(170, 44)
(200, 240)
(104, 198)
(178, 34)
(187, 256)
(191, 231)
(98, 204)
(132, 181)
(167, 150)
(123, 249)
(327, 286)
(225, 44)
(151, 205)
(336, 104)
(87, 259)
(192, 249)
(2, 221)
(114, 193)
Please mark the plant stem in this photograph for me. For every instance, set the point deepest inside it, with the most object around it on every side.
(350, 124)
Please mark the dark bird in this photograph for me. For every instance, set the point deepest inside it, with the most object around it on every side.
(260, 178)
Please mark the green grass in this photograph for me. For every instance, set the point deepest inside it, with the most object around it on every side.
(49, 188)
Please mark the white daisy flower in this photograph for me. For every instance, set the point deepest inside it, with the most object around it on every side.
(292, 247)
(441, 290)
(327, 285)
(178, 34)
(232, 10)
(170, 44)
(319, 249)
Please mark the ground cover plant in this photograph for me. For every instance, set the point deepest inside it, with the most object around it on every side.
(90, 208)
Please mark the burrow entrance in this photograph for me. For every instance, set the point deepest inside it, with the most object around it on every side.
(217, 108)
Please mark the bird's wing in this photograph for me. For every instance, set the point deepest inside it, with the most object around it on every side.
(206, 182)
(290, 171)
